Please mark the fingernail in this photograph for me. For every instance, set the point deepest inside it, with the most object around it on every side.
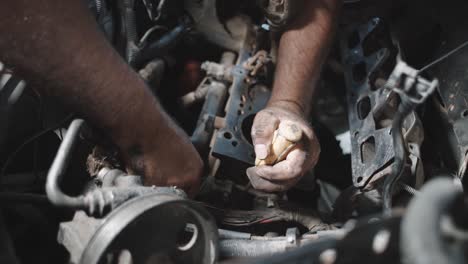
(261, 151)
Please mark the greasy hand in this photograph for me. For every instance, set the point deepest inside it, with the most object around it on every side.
(168, 159)
(285, 174)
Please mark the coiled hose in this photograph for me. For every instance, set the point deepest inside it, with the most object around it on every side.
(128, 28)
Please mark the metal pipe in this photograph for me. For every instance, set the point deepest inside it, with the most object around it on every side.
(399, 144)
(309, 253)
(228, 234)
(251, 248)
(274, 249)
(216, 96)
(213, 106)
(59, 167)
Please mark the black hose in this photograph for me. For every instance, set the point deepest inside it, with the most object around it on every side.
(399, 146)
(12, 198)
(160, 47)
(28, 141)
(421, 236)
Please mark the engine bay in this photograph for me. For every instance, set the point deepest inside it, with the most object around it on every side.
(391, 115)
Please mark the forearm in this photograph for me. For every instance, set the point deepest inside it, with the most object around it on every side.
(302, 51)
(56, 45)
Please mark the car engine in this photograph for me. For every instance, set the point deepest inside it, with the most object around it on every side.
(391, 115)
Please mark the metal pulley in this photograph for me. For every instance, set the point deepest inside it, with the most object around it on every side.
(141, 224)
(156, 228)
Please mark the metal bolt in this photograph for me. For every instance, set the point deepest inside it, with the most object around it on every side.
(292, 235)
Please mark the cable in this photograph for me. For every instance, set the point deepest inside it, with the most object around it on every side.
(9, 198)
(404, 109)
(443, 57)
(28, 141)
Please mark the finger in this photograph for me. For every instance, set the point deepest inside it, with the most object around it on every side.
(264, 126)
(268, 186)
(314, 150)
(291, 168)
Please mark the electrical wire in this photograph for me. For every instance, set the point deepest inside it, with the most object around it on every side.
(30, 140)
(9, 198)
(445, 56)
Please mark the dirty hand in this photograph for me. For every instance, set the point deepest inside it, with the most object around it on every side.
(166, 158)
(300, 159)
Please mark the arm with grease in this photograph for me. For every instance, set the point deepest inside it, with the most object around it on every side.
(57, 46)
(302, 51)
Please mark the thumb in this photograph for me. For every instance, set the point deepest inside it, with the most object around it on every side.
(264, 126)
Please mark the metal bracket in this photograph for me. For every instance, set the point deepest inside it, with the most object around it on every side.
(406, 81)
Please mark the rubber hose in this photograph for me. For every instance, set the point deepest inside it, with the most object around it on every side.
(421, 238)
(399, 147)
(160, 47)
